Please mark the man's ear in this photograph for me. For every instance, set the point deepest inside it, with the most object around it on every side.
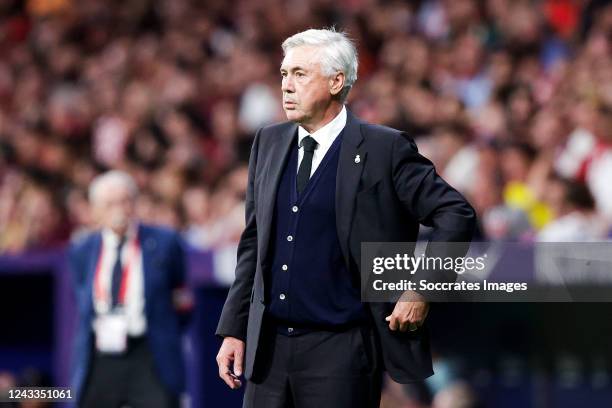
(336, 83)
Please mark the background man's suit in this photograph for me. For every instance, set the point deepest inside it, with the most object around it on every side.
(382, 196)
(163, 270)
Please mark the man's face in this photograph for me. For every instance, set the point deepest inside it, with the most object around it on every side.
(306, 91)
(115, 208)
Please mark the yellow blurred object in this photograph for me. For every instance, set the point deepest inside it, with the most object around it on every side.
(44, 7)
(518, 195)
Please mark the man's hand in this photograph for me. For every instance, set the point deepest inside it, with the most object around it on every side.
(409, 312)
(231, 351)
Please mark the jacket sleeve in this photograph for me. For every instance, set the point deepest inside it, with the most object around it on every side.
(234, 317)
(178, 270)
(182, 295)
(434, 203)
(76, 265)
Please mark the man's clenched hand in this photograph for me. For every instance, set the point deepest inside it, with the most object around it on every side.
(409, 312)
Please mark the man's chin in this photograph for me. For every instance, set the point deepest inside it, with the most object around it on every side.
(293, 115)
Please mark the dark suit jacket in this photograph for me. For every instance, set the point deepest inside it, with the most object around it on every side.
(163, 263)
(382, 198)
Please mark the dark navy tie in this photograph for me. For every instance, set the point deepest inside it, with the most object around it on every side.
(117, 276)
(309, 145)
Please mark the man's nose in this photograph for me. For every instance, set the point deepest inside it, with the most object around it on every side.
(287, 84)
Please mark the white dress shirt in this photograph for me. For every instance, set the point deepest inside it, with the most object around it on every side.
(324, 137)
(131, 259)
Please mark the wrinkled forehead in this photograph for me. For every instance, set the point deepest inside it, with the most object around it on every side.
(304, 57)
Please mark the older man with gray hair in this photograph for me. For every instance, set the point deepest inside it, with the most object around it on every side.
(127, 275)
(320, 185)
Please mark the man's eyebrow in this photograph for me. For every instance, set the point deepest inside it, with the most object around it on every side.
(293, 69)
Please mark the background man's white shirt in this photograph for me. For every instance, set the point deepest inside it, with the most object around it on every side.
(134, 297)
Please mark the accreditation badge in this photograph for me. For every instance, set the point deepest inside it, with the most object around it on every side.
(111, 333)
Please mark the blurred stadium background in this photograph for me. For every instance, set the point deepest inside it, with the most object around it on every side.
(511, 99)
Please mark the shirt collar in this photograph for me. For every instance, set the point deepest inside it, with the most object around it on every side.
(111, 238)
(328, 133)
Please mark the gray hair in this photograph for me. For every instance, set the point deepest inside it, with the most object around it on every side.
(111, 178)
(338, 53)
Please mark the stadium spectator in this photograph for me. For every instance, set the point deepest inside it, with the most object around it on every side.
(575, 217)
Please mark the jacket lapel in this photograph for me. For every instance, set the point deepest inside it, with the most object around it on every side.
(96, 248)
(350, 167)
(276, 163)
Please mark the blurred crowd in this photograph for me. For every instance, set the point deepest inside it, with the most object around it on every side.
(511, 99)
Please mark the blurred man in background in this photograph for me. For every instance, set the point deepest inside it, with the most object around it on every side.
(128, 277)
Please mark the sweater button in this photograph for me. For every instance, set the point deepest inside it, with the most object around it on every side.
(282, 296)
(284, 267)
(294, 208)
(289, 238)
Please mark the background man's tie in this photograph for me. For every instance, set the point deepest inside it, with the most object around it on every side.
(117, 276)
(309, 145)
